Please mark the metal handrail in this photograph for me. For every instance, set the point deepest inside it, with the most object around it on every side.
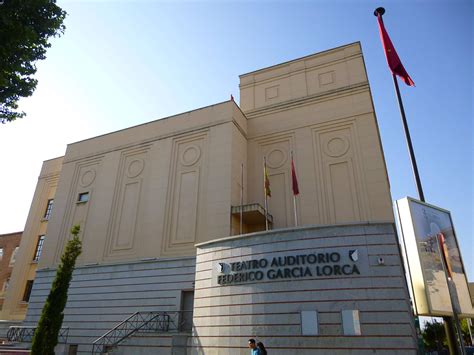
(138, 321)
(25, 334)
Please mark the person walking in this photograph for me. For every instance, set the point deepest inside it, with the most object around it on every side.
(253, 348)
(262, 349)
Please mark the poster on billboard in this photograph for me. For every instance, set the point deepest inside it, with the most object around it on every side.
(432, 254)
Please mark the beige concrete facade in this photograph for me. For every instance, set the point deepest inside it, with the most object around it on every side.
(158, 189)
(146, 195)
(24, 270)
(8, 252)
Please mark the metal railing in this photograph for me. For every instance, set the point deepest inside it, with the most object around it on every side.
(139, 321)
(25, 334)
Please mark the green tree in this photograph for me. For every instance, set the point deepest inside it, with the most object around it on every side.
(434, 336)
(25, 27)
(465, 332)
(46, 334)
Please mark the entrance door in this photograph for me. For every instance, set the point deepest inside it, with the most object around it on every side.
(187, 304)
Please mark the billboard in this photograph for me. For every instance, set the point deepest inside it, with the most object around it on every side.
(432, 254)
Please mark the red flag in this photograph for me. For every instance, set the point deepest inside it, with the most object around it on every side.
(266, 181)
(394, 62)
(294, 180)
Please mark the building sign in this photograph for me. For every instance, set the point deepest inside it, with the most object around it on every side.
(422, 226)
(288, 267)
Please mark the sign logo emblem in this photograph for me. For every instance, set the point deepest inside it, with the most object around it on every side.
(354, 255)
(220, 267)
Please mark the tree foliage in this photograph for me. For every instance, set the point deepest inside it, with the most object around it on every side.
(434, 336)
(46, 334)
(25, 28)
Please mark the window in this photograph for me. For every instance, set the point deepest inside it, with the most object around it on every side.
(39, 248)
(28, 288)
(1, 254)
(83, 197)
(49, 208)
(13, 258)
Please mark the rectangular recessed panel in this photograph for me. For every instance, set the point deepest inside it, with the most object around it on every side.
(128, 216)
(327, 78)
(271, 92)
(342, 192)
(277, 202)
(187, 207)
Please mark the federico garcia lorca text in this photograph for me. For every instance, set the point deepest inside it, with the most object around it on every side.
(288, 267)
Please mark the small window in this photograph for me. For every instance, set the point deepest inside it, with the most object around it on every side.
(83, 197)
(39, 248)
(49, 209)
(28, 288)
(13, 258)
(1, 254)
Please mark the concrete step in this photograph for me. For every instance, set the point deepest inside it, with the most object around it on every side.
(7, 350)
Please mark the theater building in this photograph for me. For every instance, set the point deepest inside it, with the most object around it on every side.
(160, 210)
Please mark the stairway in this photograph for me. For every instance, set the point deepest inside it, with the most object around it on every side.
(156, 332)
(152, 343)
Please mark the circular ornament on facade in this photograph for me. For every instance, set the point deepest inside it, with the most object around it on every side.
(190, 155)
(276, 158)
(135, 168)
(87, 177)
(337, 146)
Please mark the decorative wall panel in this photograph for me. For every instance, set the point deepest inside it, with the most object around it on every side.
(338, 172)
(122, 227)
(277, 151)
(184, 192)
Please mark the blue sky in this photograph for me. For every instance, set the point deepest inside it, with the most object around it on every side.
(122, 63)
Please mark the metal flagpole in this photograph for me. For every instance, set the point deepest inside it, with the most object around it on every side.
(469, 325)
(241, 194)
(294, 207)
(451, 288)
(265, 190)
(408, 139)
(451, 328)
(380, 11)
